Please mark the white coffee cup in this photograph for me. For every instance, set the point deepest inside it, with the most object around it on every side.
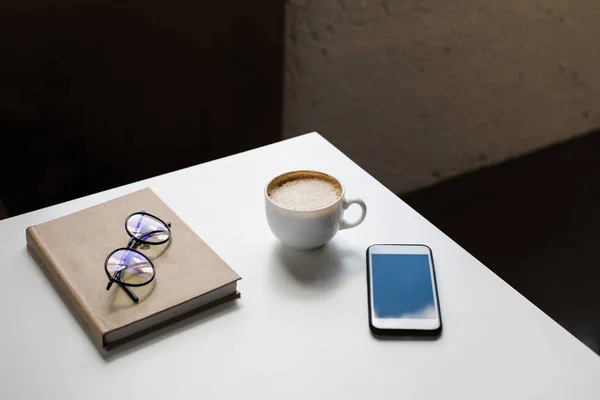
(305, 229)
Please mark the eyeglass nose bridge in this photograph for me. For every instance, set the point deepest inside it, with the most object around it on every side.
(136, 244)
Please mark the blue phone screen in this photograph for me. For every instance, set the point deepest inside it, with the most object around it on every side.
(402, 286)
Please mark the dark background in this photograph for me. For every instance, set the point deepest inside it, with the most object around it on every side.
(535, 222)
(96, 94)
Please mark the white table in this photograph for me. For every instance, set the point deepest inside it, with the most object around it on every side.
(300, 329)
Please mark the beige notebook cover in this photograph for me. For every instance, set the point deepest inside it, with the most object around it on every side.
(189, 274)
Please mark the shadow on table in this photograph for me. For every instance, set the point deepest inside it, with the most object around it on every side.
(405, 338)
(181, 323)
(319, 267)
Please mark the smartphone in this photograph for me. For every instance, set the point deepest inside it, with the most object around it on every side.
(403, 298)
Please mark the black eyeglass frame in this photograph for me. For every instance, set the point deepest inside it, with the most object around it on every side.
(132, 245)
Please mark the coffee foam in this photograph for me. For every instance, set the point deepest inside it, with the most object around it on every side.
(304, 191)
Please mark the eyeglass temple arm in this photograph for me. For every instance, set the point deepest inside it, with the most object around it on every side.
(127, 290)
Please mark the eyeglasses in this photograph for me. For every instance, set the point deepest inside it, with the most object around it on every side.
(126, 266)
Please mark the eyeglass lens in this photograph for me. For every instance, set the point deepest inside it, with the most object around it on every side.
(130, 267)
(147, 228)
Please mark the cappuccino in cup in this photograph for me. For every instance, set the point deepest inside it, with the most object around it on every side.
(305, 192)
(305, 208)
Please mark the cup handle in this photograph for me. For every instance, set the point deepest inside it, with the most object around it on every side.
(347, 203)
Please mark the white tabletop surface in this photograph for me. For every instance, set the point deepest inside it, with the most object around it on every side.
(300, 329)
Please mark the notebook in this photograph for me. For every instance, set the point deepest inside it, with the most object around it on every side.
(189, 275)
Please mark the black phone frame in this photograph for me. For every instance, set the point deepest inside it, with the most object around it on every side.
(404, 333)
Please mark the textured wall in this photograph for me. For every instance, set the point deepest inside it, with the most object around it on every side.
(418, 91)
